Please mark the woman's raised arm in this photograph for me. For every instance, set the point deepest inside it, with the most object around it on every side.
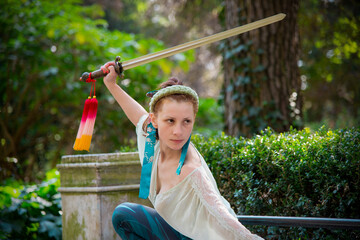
(132, 108)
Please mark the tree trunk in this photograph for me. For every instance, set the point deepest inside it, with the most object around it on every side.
(262, 80)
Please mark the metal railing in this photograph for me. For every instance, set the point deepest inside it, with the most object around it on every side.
(313, 222)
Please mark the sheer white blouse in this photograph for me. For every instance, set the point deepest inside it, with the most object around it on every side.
(194, 207)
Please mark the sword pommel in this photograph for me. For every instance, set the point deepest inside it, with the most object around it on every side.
(89, 77)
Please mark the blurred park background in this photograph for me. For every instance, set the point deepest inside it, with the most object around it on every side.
(46, 46)
(302, 72)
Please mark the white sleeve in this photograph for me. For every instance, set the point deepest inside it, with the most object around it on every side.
(219, 218)
(141, 137)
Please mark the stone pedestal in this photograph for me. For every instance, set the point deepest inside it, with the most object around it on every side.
(92, 185)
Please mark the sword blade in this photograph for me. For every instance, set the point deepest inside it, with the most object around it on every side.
(120, 67)
(201, 42)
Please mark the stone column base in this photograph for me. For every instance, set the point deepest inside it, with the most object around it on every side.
(92, 185)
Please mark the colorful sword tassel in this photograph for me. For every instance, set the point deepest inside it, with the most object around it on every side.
(82, 124)
(86, 128)
(87, 133)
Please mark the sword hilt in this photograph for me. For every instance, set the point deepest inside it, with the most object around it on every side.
(88, 77)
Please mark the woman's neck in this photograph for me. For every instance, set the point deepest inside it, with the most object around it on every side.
(168, 154)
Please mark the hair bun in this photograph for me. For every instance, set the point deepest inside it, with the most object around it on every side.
(171, 82)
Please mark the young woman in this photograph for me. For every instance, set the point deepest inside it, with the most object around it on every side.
(174, 176)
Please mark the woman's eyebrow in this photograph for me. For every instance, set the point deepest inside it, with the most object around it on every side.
(169, 116)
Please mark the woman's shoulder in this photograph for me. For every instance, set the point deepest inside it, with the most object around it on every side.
(187, 169)
(192, 163)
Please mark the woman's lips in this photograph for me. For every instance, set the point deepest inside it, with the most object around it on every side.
(176, 141)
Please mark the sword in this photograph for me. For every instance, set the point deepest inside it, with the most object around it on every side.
(121, 67)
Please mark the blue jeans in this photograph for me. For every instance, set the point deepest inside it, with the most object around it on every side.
(135, 221)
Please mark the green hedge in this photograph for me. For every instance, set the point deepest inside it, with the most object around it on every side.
(31, 211)
(297, 173)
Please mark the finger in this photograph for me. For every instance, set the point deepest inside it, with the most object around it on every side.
(109, 64)
(104, 69)
(111, 69)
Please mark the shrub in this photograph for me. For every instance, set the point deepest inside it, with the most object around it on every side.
(297, 173)
(31, 211)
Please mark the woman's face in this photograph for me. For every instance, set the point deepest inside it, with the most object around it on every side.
(174, 121)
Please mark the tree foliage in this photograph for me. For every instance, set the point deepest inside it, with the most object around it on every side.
(45, 46)
(330, 61)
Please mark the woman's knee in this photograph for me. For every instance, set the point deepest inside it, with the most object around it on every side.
(122, 212)
(127, 220)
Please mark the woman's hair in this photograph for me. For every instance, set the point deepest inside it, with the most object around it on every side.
(171, 82)
(176, 97)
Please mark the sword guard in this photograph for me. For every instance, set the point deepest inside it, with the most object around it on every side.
(89, 77)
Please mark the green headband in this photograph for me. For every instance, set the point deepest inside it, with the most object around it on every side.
(175, 89)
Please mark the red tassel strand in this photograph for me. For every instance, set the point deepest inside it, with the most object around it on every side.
(86, 128)
(82, 124)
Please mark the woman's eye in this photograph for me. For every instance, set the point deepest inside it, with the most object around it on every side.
(170, 120)
(187, 121)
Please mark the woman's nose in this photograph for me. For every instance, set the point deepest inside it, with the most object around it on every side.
(177, 129)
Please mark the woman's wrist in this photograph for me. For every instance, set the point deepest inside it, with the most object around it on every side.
(110, 85)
